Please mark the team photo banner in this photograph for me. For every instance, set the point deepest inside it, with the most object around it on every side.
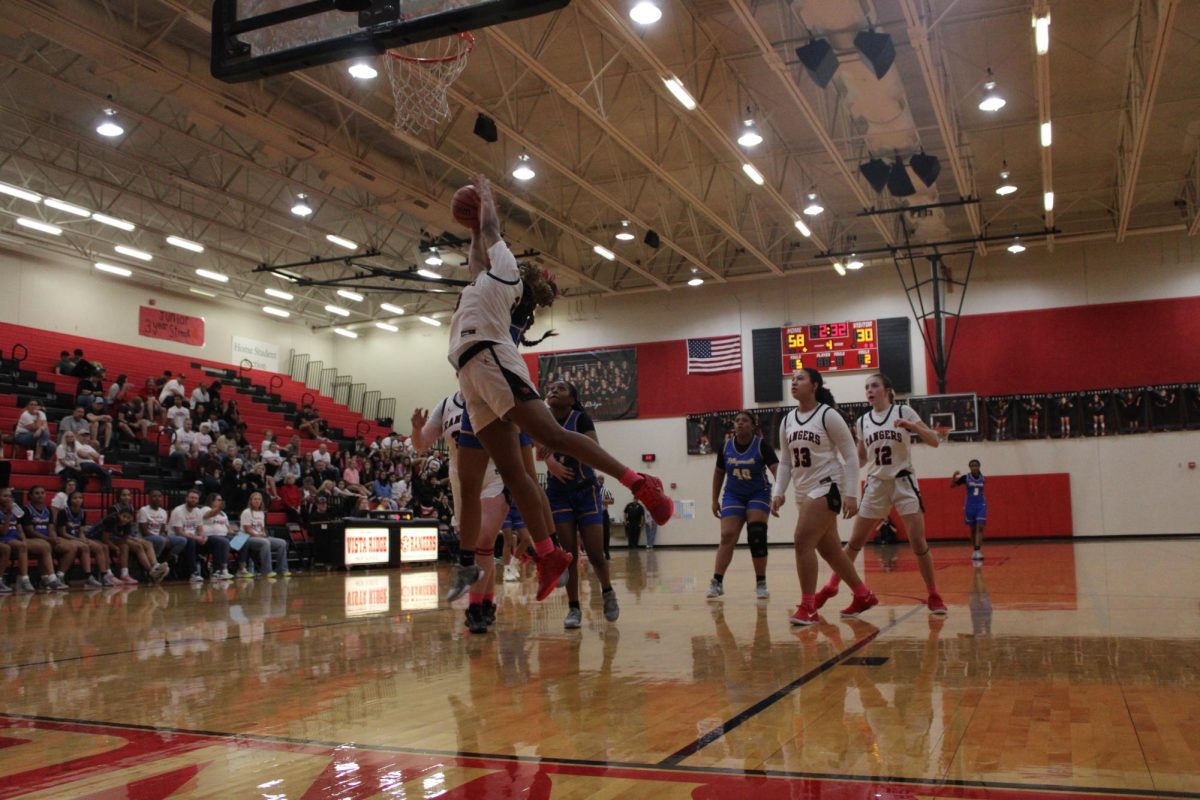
(606, 380)
(154, 323)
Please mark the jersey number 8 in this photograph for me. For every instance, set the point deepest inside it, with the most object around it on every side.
(802, 457)
(883, 456)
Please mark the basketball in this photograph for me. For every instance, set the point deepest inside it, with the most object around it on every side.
(465, 207)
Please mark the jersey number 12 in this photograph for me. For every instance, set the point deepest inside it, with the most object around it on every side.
(883, 456)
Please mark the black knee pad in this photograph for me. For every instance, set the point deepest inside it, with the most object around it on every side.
(756, 535)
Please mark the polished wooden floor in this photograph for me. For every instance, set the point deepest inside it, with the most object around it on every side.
(1060, 669)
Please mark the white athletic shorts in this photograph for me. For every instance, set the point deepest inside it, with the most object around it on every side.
(494, 380)
(883, 493)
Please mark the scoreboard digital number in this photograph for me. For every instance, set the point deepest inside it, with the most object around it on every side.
(831, 346)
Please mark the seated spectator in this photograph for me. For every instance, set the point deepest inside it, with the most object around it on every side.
(268, 440)
(214, 530)
(321, 458)
(214, 393)
(183, 447)
(152, 524)
(119, 392)
(85, 391)
(72, 467)
(232, 414)
(217, 425)
(65, 364)
(90, 460)
(177, 413)
(83, 368)
(149, 395)
(203, 438)
(61, 499)
(272, 457)
(171, 389)
(200, 396)
(142, 549)
(38, 526)
(308, 421)
(133, 421)
(101, 424)
(292, 497)
(12, 543)
(76, 423)
(293, 446)
(113, 532)
(72, 528)
(185, 521)
(269, 551)
(323, 511)
(210, 477)
(33, 431)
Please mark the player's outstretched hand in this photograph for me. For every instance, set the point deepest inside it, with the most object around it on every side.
(849, 507)
(954, 477)
(776, 504)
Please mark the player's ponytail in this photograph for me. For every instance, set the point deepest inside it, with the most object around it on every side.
(820, 392)
(887, 384)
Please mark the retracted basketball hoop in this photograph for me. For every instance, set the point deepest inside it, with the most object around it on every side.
(421, 77)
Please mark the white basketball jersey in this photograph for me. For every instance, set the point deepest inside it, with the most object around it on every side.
(484, 309)
(814, 457)
(448, 415)
(887, 446)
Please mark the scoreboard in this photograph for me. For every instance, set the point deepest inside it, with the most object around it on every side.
(831, 346)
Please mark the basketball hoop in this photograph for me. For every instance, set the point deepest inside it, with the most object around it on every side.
(942, 431)
(421, 77)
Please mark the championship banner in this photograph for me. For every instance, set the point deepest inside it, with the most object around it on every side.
(154, 323)
(606, 380)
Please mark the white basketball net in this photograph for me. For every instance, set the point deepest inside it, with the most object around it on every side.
(421, 77)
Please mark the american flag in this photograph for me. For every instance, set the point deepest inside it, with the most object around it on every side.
(716, 354)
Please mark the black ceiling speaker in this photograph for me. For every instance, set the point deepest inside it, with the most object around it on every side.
(819, 59)
(926, 167)
(651, 239)
(876, 171)
(899, 184)
(876, 51)
(485, 128)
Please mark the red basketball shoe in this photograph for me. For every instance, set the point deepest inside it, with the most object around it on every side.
(804, 616)
(936, 605)
(825, 594)
(549, 568)
(860, 604)
(649, 492)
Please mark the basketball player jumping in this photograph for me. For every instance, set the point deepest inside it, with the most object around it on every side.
(501, 399)
(883, 447)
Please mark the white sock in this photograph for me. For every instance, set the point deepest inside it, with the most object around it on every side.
(124, 572)
(61, 576)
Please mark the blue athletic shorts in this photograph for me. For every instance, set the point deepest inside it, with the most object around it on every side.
(736, 504)
(581, 506)
(513, 521)
(975, 513)
(467, 438)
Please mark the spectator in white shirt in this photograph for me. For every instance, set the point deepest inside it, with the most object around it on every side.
(170, 389)
(185, 521)
(203, 439)
(63, 498)
(152, 524)
(33, 431)
(214, 530)
(322, 457)
(200, 396)
(268, 440)
(102, 424)
(269, 551)
(184, 447)
(177, 412)
(76, 460)
(271, 456)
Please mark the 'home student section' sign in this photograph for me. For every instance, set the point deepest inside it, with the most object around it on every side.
(155, 323)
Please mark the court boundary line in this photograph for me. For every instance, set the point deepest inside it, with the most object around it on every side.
(629, 765)
(762, 705)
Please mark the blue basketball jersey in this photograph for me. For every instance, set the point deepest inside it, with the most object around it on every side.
(745, 470)
(579, 422)
(974, 488)
(39, 519)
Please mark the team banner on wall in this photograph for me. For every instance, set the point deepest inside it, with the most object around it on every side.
(606, 379)
(263, 355)
(154, 323)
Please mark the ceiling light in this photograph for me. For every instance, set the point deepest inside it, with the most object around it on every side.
(105, 219)
(290, 277)
(78, 211)
(696, 282)
(1006, 186)
(625, 234)
(108, 125)
(140, 255)
(213, 276)
(1048, 201)
(200, 292)
(302, 208)
(675, 87)
(434, 260)
(1041, 34)
(349, 295)
(1016, 246)
(839, 268)
(276, 312)
(280, 294)
(813, 207)
(363, 71)
(186, 244)
(854, 262)
(113, 270)
(804, 229)
(753, 174)
(430, 321)
(645, 13)
(750, 136)
(391, 309)
(604, 252)
(991, 100)
(384, 326)
(1047, 134)
(17, 191)
(341, 312)
(340, 242)
(33, 224)
(346, 333)
(523, 172)
(428, 273)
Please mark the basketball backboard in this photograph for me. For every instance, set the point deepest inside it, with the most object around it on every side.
(257, 38)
